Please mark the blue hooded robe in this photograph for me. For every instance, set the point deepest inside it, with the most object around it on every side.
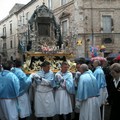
(25, 81)
(87, 87)
(49, 76)
(100, 76)
(68, 77)
(9, 85)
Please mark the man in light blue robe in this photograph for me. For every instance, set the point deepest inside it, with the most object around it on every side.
(65, 87)
(87, 95)
(43, 82)
(24, 106)
(100, 77)
(9, 91)
(5, 85)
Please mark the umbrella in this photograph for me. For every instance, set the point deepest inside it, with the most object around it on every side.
(117, 58)
(98, 58)
(81, 59)
(112, 55)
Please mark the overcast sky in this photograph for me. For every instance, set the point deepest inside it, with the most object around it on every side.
(6, 6)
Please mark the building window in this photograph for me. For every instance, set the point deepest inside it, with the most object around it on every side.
(107, 23)
(0, 59)
(11, 58)
(107, 40)
(64, 27)
(110, 0)
(63, 2)
(4, 31)
(27, 16)
(44, 29)
(11, 44)
(4, 46)
(107, 0)
(20, 21)
(10, 28)
(50, 4)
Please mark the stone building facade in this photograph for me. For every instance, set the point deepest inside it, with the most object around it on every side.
(102, 22)
(8, 34)
(94, 22)
(83, 23)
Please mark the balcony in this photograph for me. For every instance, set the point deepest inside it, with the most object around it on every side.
(3, 36)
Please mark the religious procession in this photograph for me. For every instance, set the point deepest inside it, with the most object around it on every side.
(52, 71)
(63, 95)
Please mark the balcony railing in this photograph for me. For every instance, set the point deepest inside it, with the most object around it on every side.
(3, 36)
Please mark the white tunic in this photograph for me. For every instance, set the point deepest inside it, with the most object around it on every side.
(44, 102)
(62, 101)
(103, 96)
(44, 99)
(89, 109)
(24, 106)
(9, 107)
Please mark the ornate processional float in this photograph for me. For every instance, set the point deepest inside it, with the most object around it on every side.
(46, 43)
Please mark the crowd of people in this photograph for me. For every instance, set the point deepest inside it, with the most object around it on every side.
(46, 94)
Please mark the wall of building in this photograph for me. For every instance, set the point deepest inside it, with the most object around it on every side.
(93, 11)
(84, 19)
(10, 38)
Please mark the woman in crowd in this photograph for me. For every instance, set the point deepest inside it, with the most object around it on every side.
(114, 92)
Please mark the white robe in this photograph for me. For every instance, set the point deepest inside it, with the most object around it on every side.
(24, 106)
(103, 96)
(89, 109)
(87, 95)
(9, 107)
(63, 102)
(44, 102)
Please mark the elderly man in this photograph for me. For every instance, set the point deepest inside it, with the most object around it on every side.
(44, 99)
(100, 77)
(115, 92)
(87, 95)
(101, 81)
(64, 87)
(9, 91)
